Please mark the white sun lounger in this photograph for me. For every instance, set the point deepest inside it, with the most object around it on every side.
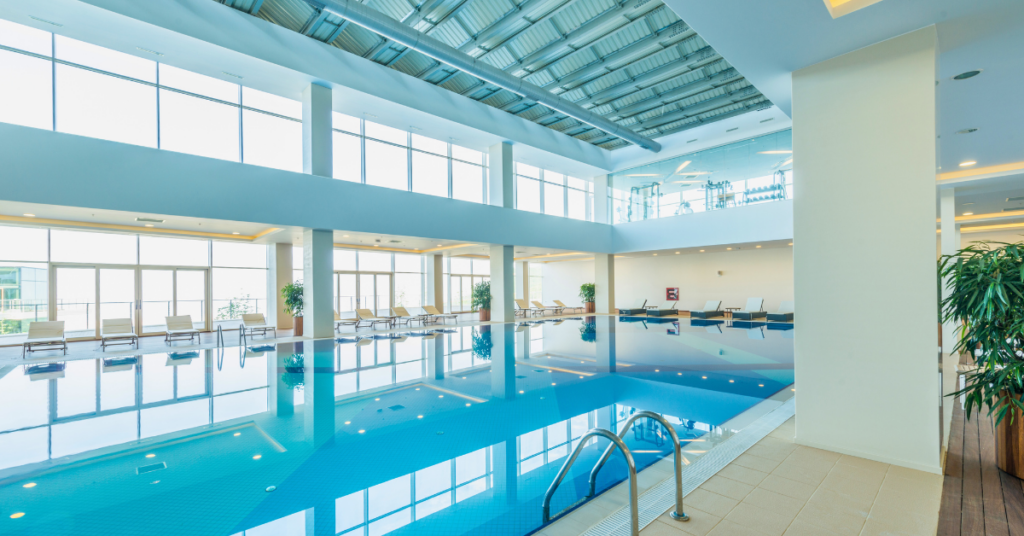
(637, 309)
(785, 313)
(434, 313)
(580, 309)
(180, 328)
(256, 322)
(751, 311)
(117, 331)
(45, 336)
(366, 315)
(711, 310)
(665, 309)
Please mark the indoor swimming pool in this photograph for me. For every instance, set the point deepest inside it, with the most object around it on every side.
(436, 431)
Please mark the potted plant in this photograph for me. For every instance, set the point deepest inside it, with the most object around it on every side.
(292, 294)
(587, 291)
(482, 300)
(986, 300)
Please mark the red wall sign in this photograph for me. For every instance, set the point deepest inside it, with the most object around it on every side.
(672, 293)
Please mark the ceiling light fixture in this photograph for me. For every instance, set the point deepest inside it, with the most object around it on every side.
(155, 53)
(702, 251)
(967, 74)
(766, 120)
(757, 246)
(967, 214)
(787, 162)
(27, 215)
(791, 243)
(655, 254)
(46, 21)
(968, 163)
(368, 114)
(728, 249)
(682, 166)
(151, 455)
(733, 129)
(775, 152)
(644, 175)
(677, 253)
(149, 225)
(233, 75)
(235, 233)
(967, 131)
(693, 173)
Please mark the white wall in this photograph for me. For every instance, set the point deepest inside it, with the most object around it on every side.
(753, 223)
(1009, 235)
(864, 263)
(763, 273)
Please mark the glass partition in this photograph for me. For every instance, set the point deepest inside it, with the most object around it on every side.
(752, 171)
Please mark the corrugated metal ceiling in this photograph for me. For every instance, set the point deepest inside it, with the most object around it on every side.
(632, 61)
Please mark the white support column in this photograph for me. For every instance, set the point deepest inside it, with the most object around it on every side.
(500, 176)
(949, 239)
(602, 208)
(435, 281)
(850, 113)
(317, 288)
(317, 136)
(503, 284)
(279, 260)
(523, 280)
(604, 283)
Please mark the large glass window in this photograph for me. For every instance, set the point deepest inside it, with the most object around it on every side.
(348, 157)
(89, 247)
(387, 165)
(101, 106)
(429, 174)
(26, 89)
(162, 251)
(554, 194)
(467, 182)
(271, 141)
(198, 126)
(527, 194)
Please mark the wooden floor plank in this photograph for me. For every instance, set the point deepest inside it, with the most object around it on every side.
(952, 485)
(992, 488)
(972, 522)
(1013, 496)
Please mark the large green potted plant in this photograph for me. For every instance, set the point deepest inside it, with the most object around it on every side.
(587, 291)
(292, 294)
(986, 300)
(482, 300)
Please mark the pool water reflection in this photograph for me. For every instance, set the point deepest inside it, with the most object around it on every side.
(458, 432)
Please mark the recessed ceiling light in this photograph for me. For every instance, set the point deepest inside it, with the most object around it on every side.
(968, 163)
(655, 254)
(440, 246)
(682, 166)
(967, 74)
(757, 246)
(732, 129)
(965, 204)
(149, 225)
(766, 120)
(967, 131)
(235, 232)
(702, 251)
(728, 249)
(376, 245)
(27, 215)
(967, 214)
(344, 236)
(677, 253)
(362, 431)
(419, 416)
(791, 243)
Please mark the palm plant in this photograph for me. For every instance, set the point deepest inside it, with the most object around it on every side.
(292, 294)
(986, 300)
(482, 296)
(587, 291)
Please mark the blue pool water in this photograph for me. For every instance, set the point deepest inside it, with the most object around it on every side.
(453, 433)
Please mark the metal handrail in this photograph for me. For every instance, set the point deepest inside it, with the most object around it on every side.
(220, 335)
(678, 514)
(634, 514)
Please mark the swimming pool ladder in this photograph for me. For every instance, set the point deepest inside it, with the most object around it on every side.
(220, 335)
(678, 514)
(634, 515)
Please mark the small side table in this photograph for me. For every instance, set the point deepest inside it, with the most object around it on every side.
(729, 310)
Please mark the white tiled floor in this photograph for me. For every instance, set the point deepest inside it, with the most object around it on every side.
(780, 488)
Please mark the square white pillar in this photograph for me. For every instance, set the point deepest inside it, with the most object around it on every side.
(503, 284)
(435, 281)
(500, 175)
(317, 136)
(602, 209)
(279, 260)
(604, 283)
(522, 280)
(318, 287)
(864, 123)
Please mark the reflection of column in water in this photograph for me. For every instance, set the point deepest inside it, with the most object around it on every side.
(503, 361)
(318, 390)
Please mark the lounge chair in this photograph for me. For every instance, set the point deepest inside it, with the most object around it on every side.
(711, 310)
(752, 310)
(117, 331)
(368, 316)
(45, 336)
(437, 315)
(665, 309)
(580, 309)
(785, 313)
(637, 309)
(256, 323)
(180, 328)
(402, 316)
(339, 321)
(523, 307)
(545, 308)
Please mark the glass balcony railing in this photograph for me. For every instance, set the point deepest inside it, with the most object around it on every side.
(753, 171)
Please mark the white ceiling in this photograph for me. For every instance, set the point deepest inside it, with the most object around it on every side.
(767, 41)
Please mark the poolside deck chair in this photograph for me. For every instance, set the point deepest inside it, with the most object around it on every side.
(752, 310)
(368, 316)
(523, 308)
(785, 313)
(402, 316)
(436, 315)
(256, 323)
(339, 321)
(45, 336)
(580, 309)
(545, 308)
(117, 331)
(637, 309)
(180, 328)
(665, 309)
(711, 309)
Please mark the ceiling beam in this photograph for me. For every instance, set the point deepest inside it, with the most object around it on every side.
(698, 108)
(672, 69)
(256, 7)
(689, 89)
(755, 106)
(313, 24)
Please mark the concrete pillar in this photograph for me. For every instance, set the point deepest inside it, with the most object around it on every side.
(318, 391)
(602, 208)
(500, 176)
(503, 360)
(604, 283)
(435, 281)
(864, 123)
(605, 341)
(282, 399)
(279, 260)
(317, 136)
(317, 287)
(522, 269)
(950, 243)
(503, 284)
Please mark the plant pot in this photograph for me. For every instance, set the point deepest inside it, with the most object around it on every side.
(1010, 445)
(298, 326)
(485, 315)
(590, 307)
